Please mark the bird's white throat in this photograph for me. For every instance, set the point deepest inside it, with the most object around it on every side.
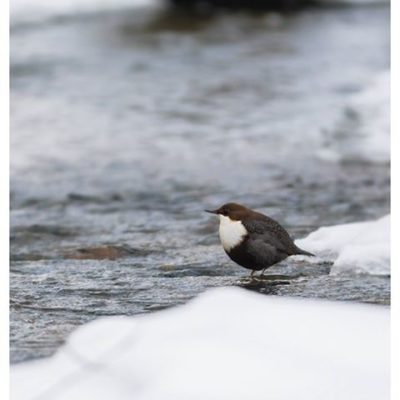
(231, 232)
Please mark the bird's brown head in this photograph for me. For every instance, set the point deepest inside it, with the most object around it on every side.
(234, 211)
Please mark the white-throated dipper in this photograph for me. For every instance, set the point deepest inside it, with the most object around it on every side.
(252, 239)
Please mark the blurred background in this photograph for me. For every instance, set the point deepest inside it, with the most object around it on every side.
(129, 117)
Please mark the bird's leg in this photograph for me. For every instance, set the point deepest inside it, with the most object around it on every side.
(252, 274)
(262, 272)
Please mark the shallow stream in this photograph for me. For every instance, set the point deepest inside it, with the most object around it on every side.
(127, 124)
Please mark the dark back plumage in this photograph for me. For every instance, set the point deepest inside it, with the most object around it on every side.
(271, 232)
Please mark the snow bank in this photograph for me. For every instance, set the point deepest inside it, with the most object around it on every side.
(363, 131)
(362, 247)
(226, 344)
(35, 10)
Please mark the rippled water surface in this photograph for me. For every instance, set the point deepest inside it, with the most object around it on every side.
(126, 125)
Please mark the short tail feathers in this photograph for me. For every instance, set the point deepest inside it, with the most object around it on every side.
(304, 253)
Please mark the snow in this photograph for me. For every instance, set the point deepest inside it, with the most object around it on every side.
(362, 247)
(362, 132)
(228, 343)
(36, 10)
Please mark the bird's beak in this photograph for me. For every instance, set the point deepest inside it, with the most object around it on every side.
(212, 211)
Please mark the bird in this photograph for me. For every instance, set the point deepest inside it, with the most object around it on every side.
(253, 240)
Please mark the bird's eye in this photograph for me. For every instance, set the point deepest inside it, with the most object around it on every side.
(224, 212)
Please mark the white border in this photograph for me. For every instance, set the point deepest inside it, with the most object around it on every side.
(4, 199)
(395, 168)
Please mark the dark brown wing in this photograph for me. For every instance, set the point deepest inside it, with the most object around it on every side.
(269, 231)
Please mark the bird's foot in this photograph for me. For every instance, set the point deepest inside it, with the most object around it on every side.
(262, 273)
(254, 277)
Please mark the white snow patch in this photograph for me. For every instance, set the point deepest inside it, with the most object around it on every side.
(363, 131)
(226, 344)
(362, 247)
(36, 10)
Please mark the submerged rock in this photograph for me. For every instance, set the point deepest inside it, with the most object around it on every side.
(108, 252)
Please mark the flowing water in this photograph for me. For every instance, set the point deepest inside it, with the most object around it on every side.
(126, 124)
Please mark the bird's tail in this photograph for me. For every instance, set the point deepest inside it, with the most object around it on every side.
(304, 253)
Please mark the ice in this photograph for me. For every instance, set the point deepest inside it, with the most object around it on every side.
(362, 247)
(226, 344)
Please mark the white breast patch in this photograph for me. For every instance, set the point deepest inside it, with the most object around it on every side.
(231, 232)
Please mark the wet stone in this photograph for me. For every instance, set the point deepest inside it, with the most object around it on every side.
(106, 252)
